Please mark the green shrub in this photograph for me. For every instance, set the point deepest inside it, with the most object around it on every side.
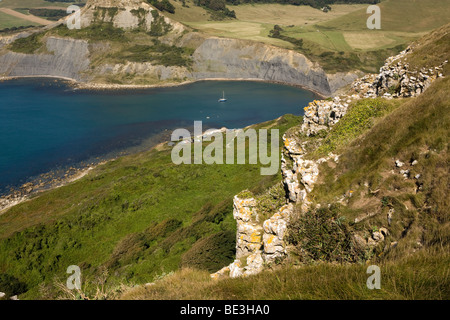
(49, 14)
(95, 32)
(245, 194)
(211, 253)
(323, 235)
(28, 44)
(358, 118)
(271, 200)
(159, 26)
(133, 246)
(163, 5)
(11, 286)
(90, 223)
(159, 53)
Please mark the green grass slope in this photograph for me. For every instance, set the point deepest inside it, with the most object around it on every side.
(361, 194)
(136, 217)
(420, 277)
(417, 267)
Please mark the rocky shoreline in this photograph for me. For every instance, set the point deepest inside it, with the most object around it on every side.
(60, 177)
(76, 85)
(43, 182)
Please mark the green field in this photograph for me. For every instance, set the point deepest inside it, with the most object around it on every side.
(412, 16)
(254, 21)
(7, 21)
(33, 4)
(141, 217)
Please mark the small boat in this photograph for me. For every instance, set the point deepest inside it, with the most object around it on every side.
(223, 97)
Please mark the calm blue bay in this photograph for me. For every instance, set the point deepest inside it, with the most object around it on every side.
(45, 124)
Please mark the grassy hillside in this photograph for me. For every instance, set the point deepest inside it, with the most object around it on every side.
(141, 218)
(35, 3)
(136, 217)
(8, 21)
(357, 196)
(420, 277)
(254, 21)
(397, 15)
(338, 40)
(416, 267)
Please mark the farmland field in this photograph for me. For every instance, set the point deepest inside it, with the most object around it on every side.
(8, 21)
(32, 4)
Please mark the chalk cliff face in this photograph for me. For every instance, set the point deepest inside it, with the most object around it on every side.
(65, 58)
(126, 14)
(221, 58)
(237, 59)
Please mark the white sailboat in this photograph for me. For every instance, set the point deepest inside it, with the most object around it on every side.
(223, 97)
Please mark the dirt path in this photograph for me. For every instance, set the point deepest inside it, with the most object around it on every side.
(29, 17)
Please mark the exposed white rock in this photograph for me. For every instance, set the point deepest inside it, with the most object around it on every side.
(249, 230)
(360, 241)
(308, 171)
(377, 236)
(236, 269)
(224, 272)
(397, 80)
(255, 264)
(322, 114)
(399, 164)
(130, 14)
(274, 231)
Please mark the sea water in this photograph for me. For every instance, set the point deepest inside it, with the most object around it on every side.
(45, 124)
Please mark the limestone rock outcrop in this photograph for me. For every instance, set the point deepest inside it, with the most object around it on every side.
(299, 175)
(274, 231)
(321, 114)
(397, 80)
(249, 230)
(249, 237)
(257, 243)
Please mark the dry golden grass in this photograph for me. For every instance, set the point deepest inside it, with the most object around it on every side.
(32, 4)
(188, 14)
(377, 39)
(183, 284)
(424, 275)
(288, 15)
(240, 30)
